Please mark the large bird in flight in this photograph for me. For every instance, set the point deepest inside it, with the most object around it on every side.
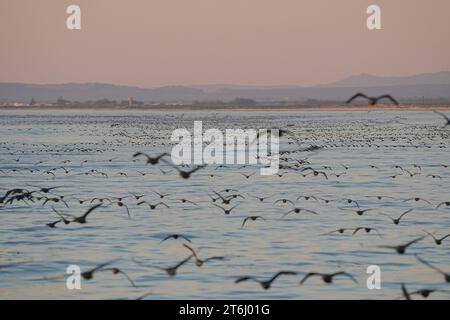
(372, 100)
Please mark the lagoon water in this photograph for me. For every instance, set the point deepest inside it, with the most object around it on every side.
(106, 140)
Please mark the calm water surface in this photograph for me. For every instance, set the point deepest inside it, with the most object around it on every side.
(105, 141)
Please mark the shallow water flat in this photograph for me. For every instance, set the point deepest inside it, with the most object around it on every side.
(398, 154)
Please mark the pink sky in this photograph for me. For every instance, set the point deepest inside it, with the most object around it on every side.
(165, 42)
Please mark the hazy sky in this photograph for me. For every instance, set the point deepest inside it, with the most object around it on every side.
(166, 42)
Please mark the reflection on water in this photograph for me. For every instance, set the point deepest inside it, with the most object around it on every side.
(106, 141)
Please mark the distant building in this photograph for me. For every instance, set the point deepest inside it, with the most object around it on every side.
(130, 101)
(63, 102)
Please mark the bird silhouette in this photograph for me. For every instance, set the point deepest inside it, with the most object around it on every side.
(299, 210)
(367, 230)
(265, 284)
(417, 199)
(226, 211)
(82, 219)
(447, 119)
(397, 220)
(445, 274)
(284, 201)
(340, 231)
(252, 218)
(186, 201)
(262, 199)
(87, 275)
(401, 249)
(359, 212)
(372, 100)
(199, 262)
(185, 174)
(119, 271)
(438, 241)
(171, 271)
(151, 160)
(175, 236)
(63, 219)
(425, 293)
(327, 277)
(446, 203)
(152, 206)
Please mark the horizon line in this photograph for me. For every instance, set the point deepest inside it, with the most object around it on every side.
(222, 84)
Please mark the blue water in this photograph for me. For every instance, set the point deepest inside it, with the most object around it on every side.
(43, 140)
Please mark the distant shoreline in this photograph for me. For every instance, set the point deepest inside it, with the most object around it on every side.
(270, 108)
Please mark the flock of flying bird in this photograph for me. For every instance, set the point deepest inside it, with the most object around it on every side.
(226, 201)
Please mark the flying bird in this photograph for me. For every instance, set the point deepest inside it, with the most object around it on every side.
(284, 201)
(82, 219)
(446, 203)
(153, 206)
(182, 173)
(340, 231)
(359, 212)
(367, 230)
(445, 117)
(438, 241)
(253, 218)
(226, 211)
(372, 100)
(401, 249)
(445, 274)
(87, 275)
(397, 220)
(299, 210)
(171, 271)
(151, 160)
(175, 236)
(267, 283)
(417, 199)
(328, 277)
(199, 262)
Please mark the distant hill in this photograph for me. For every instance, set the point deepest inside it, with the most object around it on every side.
(428, 86)
(94, 91)
(402, 92)
(367, 80)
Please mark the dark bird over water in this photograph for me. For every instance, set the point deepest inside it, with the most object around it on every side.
(153, 206)
(199, 262)
(397, 221)
(359, 212)
(119, 271)
(438, 241)
(266, 284)
(328, 277)
(299, 210)
(253, 218)
(185, 174)
(82, 219)
(175, 236)
(401, 249)
(446, 203)
(445, 274)
(226, 211)
(151, 160)
(171, 271)
(87, 275)
(367, 230)
(445, 117)
(372, 100)
(417, 199)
